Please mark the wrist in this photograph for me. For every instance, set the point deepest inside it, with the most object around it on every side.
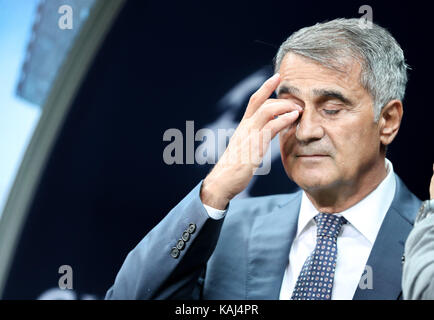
(211, 194)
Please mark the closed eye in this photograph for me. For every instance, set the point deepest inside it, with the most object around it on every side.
(331, 111)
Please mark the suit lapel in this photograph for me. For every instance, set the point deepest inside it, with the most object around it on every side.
(268, 252)
(384, 263)
(385, 258)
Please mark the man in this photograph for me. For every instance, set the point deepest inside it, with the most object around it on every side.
(418, 273)
(339, 105)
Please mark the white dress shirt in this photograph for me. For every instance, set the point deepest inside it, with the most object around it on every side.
(354, 242)
(214, 213)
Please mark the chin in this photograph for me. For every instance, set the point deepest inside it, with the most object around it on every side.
(312, 180)
(310, 185)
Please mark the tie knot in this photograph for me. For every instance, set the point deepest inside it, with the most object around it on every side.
(329, 224)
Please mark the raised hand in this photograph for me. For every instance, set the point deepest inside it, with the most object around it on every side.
(262, 120)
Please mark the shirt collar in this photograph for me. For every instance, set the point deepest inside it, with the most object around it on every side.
(366, 216)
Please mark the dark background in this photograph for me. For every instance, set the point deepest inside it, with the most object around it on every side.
(106, 185)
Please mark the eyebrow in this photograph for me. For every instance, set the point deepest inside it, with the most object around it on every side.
(333, 94)
(323, 93)
(287, 89)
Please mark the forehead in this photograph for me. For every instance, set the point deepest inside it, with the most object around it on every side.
(306, 75)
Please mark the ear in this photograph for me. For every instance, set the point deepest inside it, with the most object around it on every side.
(390, 120)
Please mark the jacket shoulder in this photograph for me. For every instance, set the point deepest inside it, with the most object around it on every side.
(405, 202)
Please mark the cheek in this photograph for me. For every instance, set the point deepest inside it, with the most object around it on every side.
(287, 143)
(355, 145)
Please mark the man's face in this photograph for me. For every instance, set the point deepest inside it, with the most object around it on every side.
(335, 141)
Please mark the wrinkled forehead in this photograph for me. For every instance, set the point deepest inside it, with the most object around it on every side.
(304, 74)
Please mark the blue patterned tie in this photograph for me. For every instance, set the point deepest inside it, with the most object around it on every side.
(315, 281)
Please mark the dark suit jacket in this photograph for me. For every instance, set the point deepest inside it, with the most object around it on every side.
(244, 255)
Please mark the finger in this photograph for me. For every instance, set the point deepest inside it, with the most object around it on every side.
(282, 122)
(261, 95)
(270, 111)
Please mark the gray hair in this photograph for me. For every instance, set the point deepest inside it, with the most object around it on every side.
(383, 68)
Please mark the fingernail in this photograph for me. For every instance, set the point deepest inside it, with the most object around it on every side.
(299, 107)
(291, 113)
(275, 76)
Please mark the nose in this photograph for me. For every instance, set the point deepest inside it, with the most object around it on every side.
(309, 127)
